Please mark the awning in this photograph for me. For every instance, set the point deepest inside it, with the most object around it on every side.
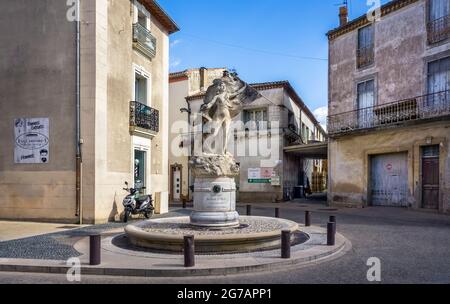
(313, 150)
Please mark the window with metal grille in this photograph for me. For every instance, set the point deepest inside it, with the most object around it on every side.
(365, 51)
(438, 20)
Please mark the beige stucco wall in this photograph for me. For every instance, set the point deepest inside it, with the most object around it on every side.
(179, 131)
(37, 72)
(349, 162)
(114, 151)
(37, 79)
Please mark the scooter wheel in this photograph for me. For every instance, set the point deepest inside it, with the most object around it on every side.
(148, 214)
(126, 216)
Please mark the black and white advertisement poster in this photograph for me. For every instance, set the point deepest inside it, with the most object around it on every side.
(31, 140)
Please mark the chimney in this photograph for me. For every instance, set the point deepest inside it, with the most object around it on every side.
(203, 80)
(343, 15)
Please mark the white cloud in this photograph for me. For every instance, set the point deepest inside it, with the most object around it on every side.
(321, 115)
(175, 42)
(175, 63)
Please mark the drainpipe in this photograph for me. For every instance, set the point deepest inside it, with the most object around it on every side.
(188, 110)
(79, 161)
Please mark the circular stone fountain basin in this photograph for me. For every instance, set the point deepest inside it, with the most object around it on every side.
(254, 234)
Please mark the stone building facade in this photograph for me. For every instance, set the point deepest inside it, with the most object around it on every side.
(389, 107)
(124, 51)
(277, 119)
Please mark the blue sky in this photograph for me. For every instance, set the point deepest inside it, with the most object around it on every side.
(264, 40)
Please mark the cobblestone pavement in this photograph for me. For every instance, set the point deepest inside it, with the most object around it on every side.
(414, 247)
(58, 246)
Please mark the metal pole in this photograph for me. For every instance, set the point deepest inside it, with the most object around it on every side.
(94, 249)
(331, 234)
(249, 210)
(277, 212)
(286, 244)
(333, 219)
(307, 218)
(184, 203)
(189, 251)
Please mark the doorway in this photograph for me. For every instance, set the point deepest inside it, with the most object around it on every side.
(430, 177)
(139, 169)
(389, 180)
(176, 181)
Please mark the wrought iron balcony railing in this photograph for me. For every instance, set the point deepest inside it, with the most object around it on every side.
(425, 107)
(439, 29)
(144, 117)
(144, 41)
(365, 56)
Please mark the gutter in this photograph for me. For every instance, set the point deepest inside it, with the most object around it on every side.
(79, 160)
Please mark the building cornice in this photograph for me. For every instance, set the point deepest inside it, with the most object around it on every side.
(362, 21)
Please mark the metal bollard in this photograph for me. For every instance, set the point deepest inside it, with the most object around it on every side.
(331, 234)
(94, 249)
(332, 219)
(249, 210)
(286, 244)
(307, 218)
(277, 212)
(189, 251)
(184, 204)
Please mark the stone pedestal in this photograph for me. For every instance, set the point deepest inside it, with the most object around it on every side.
(215, 202)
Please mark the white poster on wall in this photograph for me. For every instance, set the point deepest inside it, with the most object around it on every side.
(31, 141)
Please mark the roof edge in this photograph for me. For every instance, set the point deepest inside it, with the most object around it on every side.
(161, 15)
(386, 9)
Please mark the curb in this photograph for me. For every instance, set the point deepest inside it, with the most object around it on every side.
(183, 272)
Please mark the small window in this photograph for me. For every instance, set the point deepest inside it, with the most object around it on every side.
(258, 117)
(365, 51)
(142, 19)
(140, 89)
(430, 151)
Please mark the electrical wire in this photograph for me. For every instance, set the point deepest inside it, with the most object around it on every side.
(257, 50)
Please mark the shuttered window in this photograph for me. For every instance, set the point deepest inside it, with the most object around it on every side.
(439, 75)
(365, 52)
(438, 27)
(439, 9)
(366, 101)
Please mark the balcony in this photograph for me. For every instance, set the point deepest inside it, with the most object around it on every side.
(144, 120)
(144, 41)
(417, 109)
(438, 30)
(365, 56)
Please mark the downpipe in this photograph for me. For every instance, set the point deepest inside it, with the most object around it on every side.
(79, 159)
